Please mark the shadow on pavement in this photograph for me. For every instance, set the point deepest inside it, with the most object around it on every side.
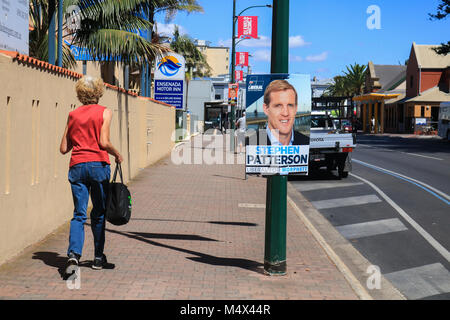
(172, 236)
(230, 223)
(201, 257)
(54, 260)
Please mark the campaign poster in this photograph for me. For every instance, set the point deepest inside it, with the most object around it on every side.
(278, 118)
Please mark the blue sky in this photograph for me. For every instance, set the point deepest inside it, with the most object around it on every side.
(325, 35)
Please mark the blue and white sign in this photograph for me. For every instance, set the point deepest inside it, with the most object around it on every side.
(170, 92)
(170, 80)
(278, 132)
(281, 160)
(14, 25)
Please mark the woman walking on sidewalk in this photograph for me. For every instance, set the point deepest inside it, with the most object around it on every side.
(87, 134)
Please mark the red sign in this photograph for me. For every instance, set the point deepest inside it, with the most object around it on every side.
(248, 26)
(238, 75)
(242, 59)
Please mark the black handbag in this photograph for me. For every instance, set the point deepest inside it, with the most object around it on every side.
(118, 201)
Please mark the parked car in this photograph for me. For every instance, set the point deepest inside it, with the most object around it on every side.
(347, 126)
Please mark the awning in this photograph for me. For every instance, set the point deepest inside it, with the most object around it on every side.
(375, 97)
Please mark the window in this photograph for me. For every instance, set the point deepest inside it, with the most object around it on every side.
(422, 111)
(218, 97)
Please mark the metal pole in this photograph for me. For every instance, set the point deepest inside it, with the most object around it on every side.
(60, 23)
(143, 80)
(232, 77)
(276, 192)
(51, 31)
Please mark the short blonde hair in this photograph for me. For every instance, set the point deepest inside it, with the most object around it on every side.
(278, 85)
(89, 90)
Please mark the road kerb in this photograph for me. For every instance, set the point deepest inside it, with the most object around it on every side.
(351, 279)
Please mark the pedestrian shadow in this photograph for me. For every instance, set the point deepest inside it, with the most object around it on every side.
(229, 223)
(55, 260)
(246, 264)
(59, 262)
(172, 236)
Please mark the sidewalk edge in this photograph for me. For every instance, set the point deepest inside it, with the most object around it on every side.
(349, 261)
(351, 279)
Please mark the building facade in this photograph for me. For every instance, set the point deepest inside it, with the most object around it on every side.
(218, 58)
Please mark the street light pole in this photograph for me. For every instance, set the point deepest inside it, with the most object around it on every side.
(232, 77)
(233, 64)
(60, 33)
(276, 191)
(51, 31)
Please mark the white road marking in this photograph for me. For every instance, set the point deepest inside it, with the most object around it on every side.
(420, 183)
(410, 153)
(356, 285)
(324, 185)
(371, 228)
(252, 205)
(345, 202)
(444, 252)
(421, 155)
(421, 282)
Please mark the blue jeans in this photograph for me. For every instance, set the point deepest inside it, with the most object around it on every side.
(88, 177)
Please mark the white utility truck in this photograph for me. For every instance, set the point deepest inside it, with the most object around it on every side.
(330, 144)
(444, 120)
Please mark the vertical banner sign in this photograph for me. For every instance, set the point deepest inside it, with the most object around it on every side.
(14, 25)
(233, 89)
(170, 86)
(248, 27)
(242, 59)
(278, 133)
(238, 75)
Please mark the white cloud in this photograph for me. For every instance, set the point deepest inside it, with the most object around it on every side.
(168, 29)
(224, 43)
(317, 58)
(297, 41)
(295, 58)
(265, 42)
(262, 42)
(262, 55)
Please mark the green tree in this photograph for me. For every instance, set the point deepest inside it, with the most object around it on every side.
(109, 29)
(350, 83)
(196, 64)
(356, 78)
(38, 36)
(443, 11)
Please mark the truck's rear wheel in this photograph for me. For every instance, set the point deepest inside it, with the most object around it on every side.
(343, 174)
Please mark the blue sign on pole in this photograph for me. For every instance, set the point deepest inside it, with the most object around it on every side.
(170, 92)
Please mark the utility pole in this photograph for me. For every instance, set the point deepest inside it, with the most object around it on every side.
(232, 77)
(60, 32)
(51, 31)
(276, 191)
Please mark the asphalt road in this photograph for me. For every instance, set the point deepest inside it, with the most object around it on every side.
(394, 208)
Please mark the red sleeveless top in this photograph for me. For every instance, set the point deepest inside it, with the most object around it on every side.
(84, 128)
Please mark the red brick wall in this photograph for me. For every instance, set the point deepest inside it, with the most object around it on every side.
(412, 71)
(430, 79)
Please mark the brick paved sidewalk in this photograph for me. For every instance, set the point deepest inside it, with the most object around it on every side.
(194, 234)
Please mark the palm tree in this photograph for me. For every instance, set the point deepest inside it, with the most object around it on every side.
(351, 83)
(38, 36)
(109, 29)
(196, 64)
(356, 77)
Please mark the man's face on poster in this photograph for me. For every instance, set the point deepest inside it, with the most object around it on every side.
(281, 111)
